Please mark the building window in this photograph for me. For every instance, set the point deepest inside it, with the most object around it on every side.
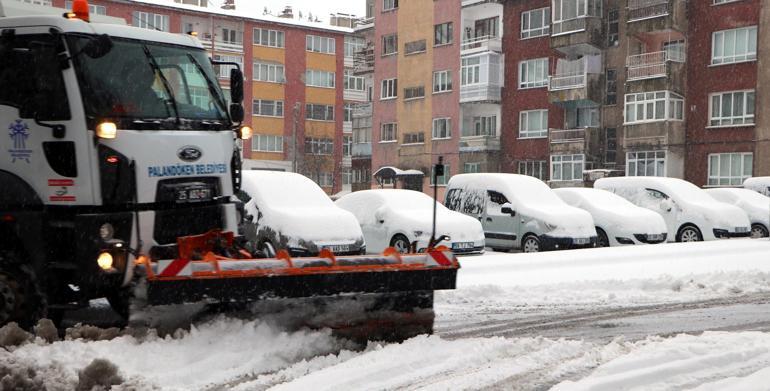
(533, 123)
(362, 135)
(318, 44)
(613, 27)
(314, 78)
(269, 108)
(567, 12)
(414, 47)
(442, 128)
(581, 117)
(389, 132)
(224, 70)
(567, 167)
(319, 112)
(653, 106)
(732, 108)
(389, 44)
(441, 180)
(388, 5)
(533, 73)
(536, 23)
(482, 126)
(148, 20)
(442, 81)
(92, 9)
(485, 28)
(389, 89)
(442, 34)
(352, 82)
(266, 143)
(323, 179)
(347, 145)
(319, 146)
(354, 45)
(611, 146)
(347, 113)
(470, 71)
(414, 138)
(646, 163)
(535, 168)
(232, 37)
(270, 72)
(724, 1)
(734, 45)
(414, 92)
(471, 168)
(729, 169)
(612, 87)
(271, 38)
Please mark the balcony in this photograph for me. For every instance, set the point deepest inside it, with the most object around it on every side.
(470, 3)
(347, 161)
(479, 143)
(485, 80)
(653, 135)
(347, 126)
(656, 15)
(354, 95)
(362, 110)
(586, 141)
(362, 150)
(576, 81)
(221, 46)
(481, 44)
(664, 70)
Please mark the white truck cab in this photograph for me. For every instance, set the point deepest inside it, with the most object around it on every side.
(117, 140)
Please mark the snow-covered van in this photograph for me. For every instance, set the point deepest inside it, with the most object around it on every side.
(289, 211)
(618, 222)
(760, 184)
(690, 213)
(520, 212)
(756, 205)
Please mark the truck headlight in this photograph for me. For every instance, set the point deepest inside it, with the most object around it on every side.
(106, 130)
(106, 231)
(105, 261)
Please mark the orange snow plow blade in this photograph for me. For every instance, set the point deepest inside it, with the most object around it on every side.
(198, 274)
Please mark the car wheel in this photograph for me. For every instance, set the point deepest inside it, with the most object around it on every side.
(400, 243)
(602, 240)
(689, 234)
(530, 244)
(267, 249)
(758, 231)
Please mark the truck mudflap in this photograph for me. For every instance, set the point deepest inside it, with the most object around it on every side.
(199, 274)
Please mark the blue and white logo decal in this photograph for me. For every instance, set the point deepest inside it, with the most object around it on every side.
(19, 132)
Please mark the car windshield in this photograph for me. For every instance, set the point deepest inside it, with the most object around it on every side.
(145, 81)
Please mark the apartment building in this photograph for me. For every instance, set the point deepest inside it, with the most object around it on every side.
(361, 111)
(294, 73)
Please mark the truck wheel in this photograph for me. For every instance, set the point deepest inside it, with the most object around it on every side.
(400, 243)
(121, 302)
(21, 300)
(530, 244)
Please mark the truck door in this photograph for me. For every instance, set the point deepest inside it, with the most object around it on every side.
(500, 229)
(44, 140)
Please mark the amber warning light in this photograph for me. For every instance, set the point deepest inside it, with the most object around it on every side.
(79, 11)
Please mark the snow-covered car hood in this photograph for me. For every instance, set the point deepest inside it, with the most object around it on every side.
(721, 215)
(459, 227)
(321, 226)
(635, 221)
(565, 221)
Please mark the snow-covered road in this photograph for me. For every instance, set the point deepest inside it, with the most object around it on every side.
(575, 320)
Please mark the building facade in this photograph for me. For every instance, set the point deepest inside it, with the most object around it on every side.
(294, 80)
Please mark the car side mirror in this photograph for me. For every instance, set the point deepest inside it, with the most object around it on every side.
(381, 221)
(508, 210)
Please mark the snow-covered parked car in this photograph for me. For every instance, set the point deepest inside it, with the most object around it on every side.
(690, 213)
(396, 218)
(617, 221)
(756, 205)
(289, 211)
(520, 212)
(760, 184)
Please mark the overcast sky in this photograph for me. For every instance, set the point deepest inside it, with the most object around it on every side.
(319, 8)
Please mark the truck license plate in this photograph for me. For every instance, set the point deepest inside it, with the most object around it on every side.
(193, 194)
(462, 245)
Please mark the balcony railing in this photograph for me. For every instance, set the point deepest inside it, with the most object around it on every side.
(568, 26)
(645, 9)
(480, 92)
(560, 136)
(483, 43)
(223, 46)
(651, 65)
(479, 143)
(362, 149)
(362, 110)
(566, 82)
(468, 3)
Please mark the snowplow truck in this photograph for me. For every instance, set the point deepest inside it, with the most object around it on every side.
(118, 164)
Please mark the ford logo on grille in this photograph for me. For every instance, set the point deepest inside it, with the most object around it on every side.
(189, 153)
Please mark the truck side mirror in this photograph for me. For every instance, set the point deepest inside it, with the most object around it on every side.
(236, 112)
(98, 47)
(236, 85)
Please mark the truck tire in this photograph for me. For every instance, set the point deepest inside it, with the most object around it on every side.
(21, 299)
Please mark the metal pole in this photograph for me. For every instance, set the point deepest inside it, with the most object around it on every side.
(295, 116)
(435, 197)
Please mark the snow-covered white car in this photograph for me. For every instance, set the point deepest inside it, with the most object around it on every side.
(520, 212)
(756, 205)
(760, 184)
(289, 211)
(690, 213)
(396, 218)
(618, 222)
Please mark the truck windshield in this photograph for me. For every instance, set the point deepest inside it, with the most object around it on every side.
(127, 84)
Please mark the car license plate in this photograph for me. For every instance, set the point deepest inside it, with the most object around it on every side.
(741, 229)
(581, 241)
(341, 248)
(655, 237)
(194, 194)
(462, 245)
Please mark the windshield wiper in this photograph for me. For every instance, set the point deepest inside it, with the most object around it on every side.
(166, 84)
(211, 86)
